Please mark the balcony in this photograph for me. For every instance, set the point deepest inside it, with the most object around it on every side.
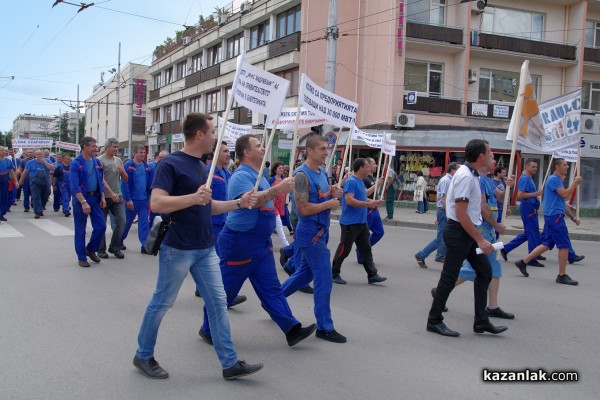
(434, 105)
(591, 54)
(486, 110)
(547, 49)
(171, 127)
(154, 94)
(284, 45)
(203, 75)
(434, 32)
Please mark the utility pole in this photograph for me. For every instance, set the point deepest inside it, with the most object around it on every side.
(130, 118)
(118, 77)
(77, 112)
(330, 64)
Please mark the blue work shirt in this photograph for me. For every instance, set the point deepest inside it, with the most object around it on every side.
(242, 181)
(553, 202)
(92, 179)
(354, 215)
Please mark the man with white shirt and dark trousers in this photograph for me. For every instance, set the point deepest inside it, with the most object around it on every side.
(463, 210)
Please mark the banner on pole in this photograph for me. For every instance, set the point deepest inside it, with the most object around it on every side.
(374, 140)
(31, 143)
(233, 131)
(570, 154)
(67, 146)
(259, 90)
(287, 119)
(335, 109)
(389, 145)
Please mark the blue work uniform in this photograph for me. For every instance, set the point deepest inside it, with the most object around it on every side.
(56, 193)
(555, 229)
(219, 192)
(6, 166)
(374, 221)
(39, 184)
(137, 189)
(63, 182)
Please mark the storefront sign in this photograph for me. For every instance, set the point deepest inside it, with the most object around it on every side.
(178, 138)
(140, 93)
(479, 110)
(337, 110)
(500, 111)
(285, 144)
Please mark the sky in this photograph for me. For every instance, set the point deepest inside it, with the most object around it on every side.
(50, 50)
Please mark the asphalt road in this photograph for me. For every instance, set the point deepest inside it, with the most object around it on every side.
(71, 333)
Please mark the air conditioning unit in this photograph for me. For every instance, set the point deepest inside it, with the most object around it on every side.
(472, 75)
(222, 19)
(477, 6)
(245, 7)
(155, 128)
(187, 40)
(590, 124)
(148, 128)
(404, 120)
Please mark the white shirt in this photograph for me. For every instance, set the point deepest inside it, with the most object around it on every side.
(465, 187)
(442, 189)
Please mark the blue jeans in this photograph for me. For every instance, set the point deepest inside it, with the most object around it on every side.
(173, 266)
(438, 242)
(421, 207)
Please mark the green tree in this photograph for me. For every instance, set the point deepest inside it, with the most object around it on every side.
(6, 139)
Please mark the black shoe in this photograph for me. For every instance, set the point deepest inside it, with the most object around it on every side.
(37, 216)
(150, 368)
(504, 254)
(420, 261)
(287, 271)
(84, 263)
(522, 267)
(307, 290)
(338, 279)
(576, 259)
(541, 258)
(376, 278)
(440, 260)
(536, 264)
(239, 299)
(442, 329)
(298, 334)
(123, 247)
(207, 339)
(143, 251)
(68, 214)
(433, 295)
(488, 327)
(566, 279)
(282, 258)
(26, 210)
(93, 256)
(117, 253)
(3, 219)
(102, 254)
(197, 293)
(240, 369)
(332, 336)
(498, 313)
(42, 213)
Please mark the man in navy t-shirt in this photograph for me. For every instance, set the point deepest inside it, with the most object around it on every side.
(179, 191)
(555, 229)
(354, 223)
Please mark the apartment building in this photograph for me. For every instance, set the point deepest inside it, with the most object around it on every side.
(30, 126)
(130, 98)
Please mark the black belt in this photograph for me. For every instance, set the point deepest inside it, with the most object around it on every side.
(95, 192)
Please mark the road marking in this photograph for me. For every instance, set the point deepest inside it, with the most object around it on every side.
(53, 228)
(7, 231)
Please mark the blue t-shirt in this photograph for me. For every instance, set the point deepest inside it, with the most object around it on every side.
(553, 202)
(219, 191)
(6, 166)
(487, 189)
(502, 186)
(37, 170)
(92, 178)
(140, 179)
(181, 174)
(243, 180)
(354, 215)
(526, 185)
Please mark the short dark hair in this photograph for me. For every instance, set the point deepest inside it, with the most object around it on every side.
(138, 147)
(243, 143)
(474, 148)
(452, 167)
(419, 173)
(498, 170)
(156, 154)
(358, 164)
(86, 141)
(531, 160)
(314, 140)
(194, 122)
(556, 162)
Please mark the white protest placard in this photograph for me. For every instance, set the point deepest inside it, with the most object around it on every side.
(31, 143)
(67, 146)
(337, 110)
(374, 140)
(562, 121)
(259, 90)
(234, 131)
(389, 145)
(287, 119)
(570, 154)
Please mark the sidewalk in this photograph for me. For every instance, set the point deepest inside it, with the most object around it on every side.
(589, 229)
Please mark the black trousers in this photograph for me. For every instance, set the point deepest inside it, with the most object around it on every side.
(460, 246)
(359, 234)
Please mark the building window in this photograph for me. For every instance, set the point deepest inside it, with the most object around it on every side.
(288, 22)
(502, 85)
(592, 34)
(212, 101)
(156, 115)
(522, 24)
(181, 70)
(195, 104)
(107, 100)
(168, 75)
(427, 11)
(292, 75)
(590, 96)
(167, 113)
(260, 34)
(235, 45)
(214, 54)
(179, 110)
(196, 63)
(156, 80)
(424, 77)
